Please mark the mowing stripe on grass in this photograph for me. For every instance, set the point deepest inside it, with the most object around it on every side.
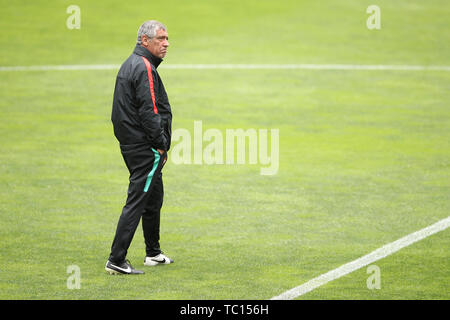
(235, 66)
(378, 254)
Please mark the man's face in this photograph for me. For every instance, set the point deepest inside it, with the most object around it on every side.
(158, 45)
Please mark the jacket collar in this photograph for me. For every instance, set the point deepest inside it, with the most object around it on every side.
(141, 51)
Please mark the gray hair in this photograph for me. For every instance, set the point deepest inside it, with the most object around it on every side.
(149, 29)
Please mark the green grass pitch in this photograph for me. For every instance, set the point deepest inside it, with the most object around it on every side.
(364, 155)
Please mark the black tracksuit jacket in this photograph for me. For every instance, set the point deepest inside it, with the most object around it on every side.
(141, 112)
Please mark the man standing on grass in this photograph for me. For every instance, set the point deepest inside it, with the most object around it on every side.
(142, 121)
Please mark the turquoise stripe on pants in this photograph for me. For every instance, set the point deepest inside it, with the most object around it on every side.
(152, 172)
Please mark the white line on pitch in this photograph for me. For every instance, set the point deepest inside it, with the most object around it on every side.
(308, 67)
(62, 67)
(378, 254)
(235, 66)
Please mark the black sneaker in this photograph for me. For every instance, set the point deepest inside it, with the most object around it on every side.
(122, 268)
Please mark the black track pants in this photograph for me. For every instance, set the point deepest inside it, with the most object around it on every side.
(145, 198)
